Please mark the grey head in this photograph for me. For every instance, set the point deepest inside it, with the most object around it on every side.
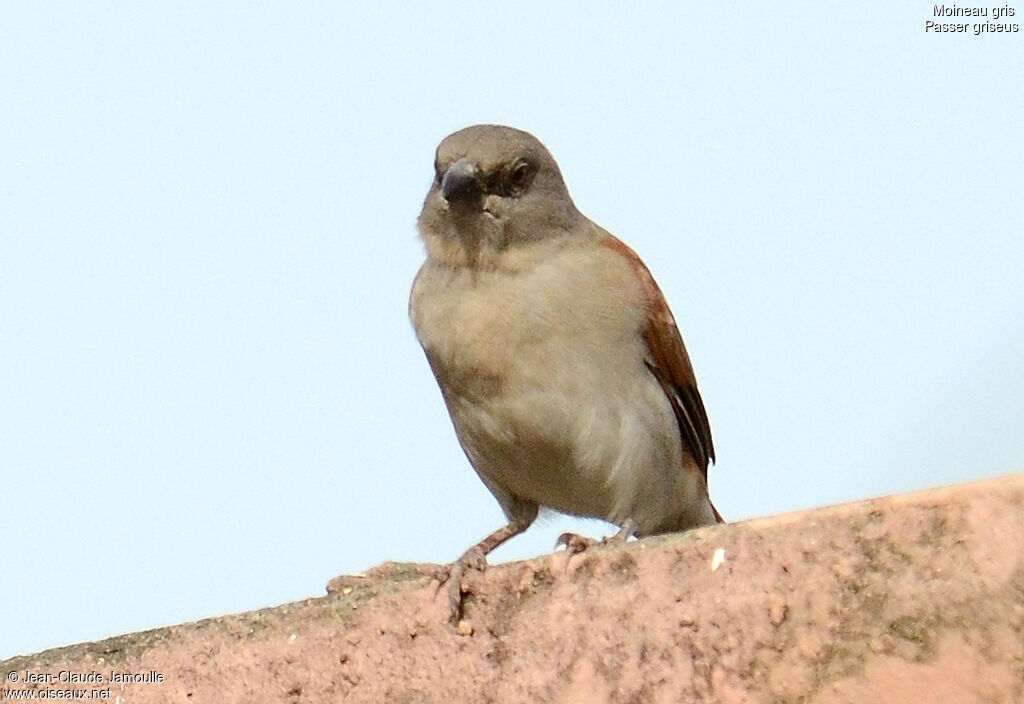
(495, 187)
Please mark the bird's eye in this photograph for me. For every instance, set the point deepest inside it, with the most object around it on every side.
(519, 177)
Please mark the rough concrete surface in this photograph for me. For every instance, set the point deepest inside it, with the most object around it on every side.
(910, 598)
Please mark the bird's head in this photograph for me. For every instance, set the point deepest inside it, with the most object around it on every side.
(494, 188)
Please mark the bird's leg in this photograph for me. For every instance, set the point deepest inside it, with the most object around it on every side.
(576, 543)
(476, 558)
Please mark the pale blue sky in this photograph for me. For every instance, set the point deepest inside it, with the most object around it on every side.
(211, 399)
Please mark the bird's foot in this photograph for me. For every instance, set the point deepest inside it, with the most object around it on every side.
(575, 543)
(451, 580)
(476, 558)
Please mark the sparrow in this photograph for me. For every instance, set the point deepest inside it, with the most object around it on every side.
(558, 358)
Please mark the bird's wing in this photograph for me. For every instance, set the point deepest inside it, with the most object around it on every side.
(668, 361)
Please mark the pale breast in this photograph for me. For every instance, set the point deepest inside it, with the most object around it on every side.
(531, 326)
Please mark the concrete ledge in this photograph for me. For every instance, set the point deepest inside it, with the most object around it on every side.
(910, 598)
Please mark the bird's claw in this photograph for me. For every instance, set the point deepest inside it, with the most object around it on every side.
(452, 577)
(575, 543)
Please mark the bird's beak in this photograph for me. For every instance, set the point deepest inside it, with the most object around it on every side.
(461, 182)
